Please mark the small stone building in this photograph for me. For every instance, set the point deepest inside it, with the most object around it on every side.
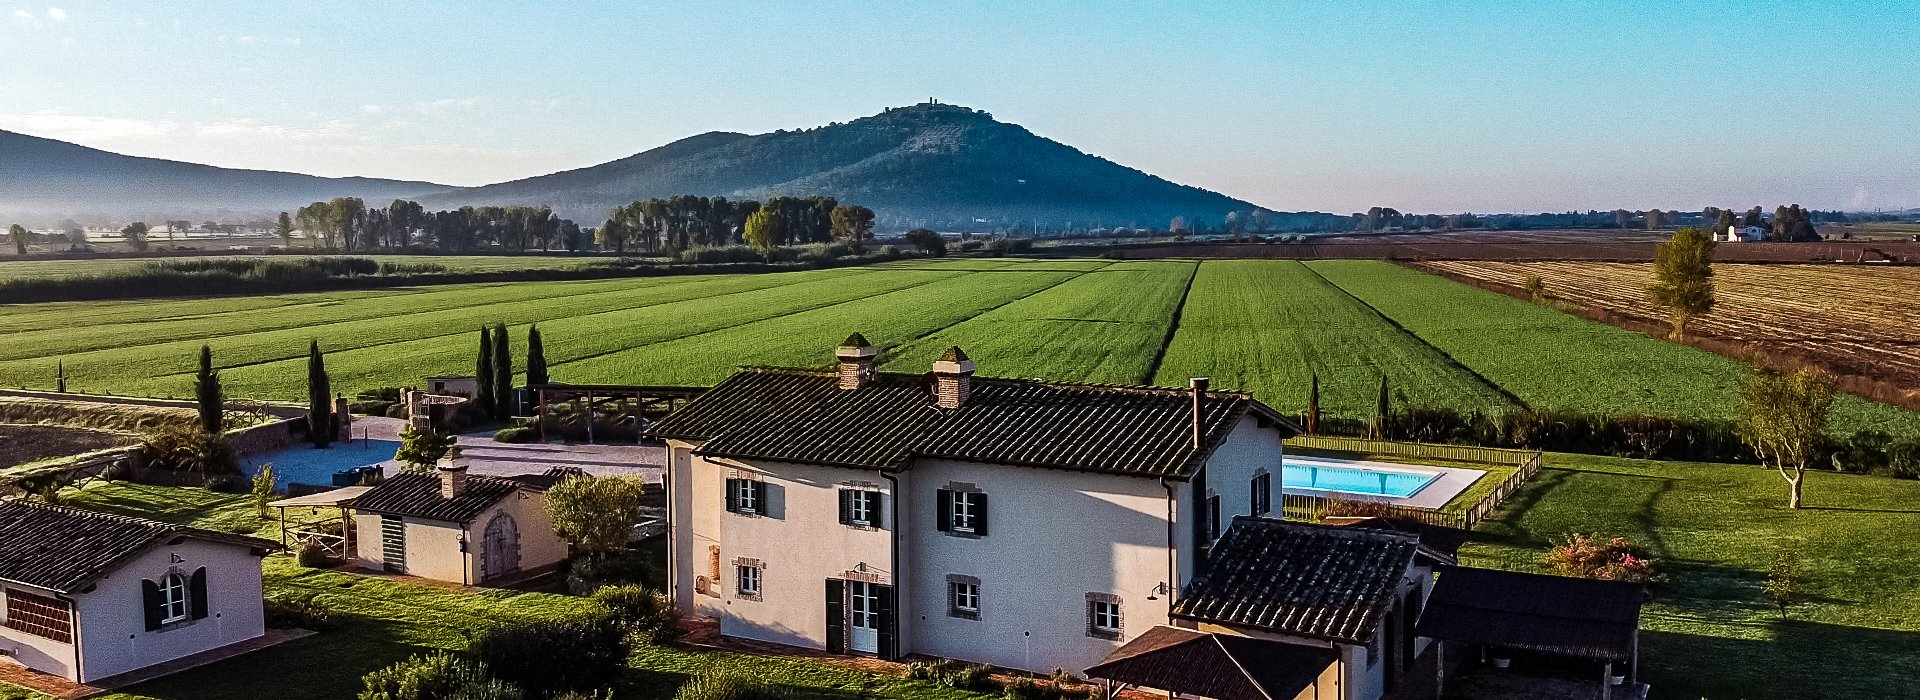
(452, 526)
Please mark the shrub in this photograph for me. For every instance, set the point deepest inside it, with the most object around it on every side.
(713, 255)
(1336, 507)
(586, 574)
(722, 684)
(302, 612)
(262, 492)
(1589, 556)
(648, 617)
(1024, 688)
(950, 673)
(437, 676)
(371, 407)
(397, 410)
(1005, 246)
(928, 241)
(228, 483)
(313, 556)
(1785, 586)
(187, 449)
(556, 656)
(516, 434)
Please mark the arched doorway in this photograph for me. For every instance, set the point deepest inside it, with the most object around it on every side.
(500, 548)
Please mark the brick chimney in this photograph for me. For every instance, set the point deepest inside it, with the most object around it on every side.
(453, 473)
(952, 379)
(856, 361)
(1199, 423)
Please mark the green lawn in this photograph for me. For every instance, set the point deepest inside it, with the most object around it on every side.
(1714, 528)
(1265, 326)
(387, 621)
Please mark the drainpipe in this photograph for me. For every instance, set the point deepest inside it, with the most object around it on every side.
(893, 534)
(673, 550)
(1173, 555)
(79, 656)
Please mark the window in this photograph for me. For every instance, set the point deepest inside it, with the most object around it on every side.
(963, 597)
(40, 616)
(749, 580)
(1262, 494)
(173, 599)
(859, 508)
(746, 496)
(963, 512)
(1213, 518)
(1103, 616)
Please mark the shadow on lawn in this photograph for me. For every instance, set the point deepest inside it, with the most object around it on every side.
(326, 666)
(1801, 660)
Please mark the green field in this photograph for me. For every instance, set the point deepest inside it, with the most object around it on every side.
(1266, 326)
(17, 269)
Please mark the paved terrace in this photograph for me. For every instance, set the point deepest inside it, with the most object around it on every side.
(502, 459)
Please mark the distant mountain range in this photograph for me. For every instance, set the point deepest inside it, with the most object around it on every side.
(40, 176)
(929, 164)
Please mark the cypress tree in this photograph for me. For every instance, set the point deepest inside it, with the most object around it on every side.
(319, 398)
(483, 374)
(536, 358)
(1313, 406)
(1381, 411)
(206, 388)
(502, 373)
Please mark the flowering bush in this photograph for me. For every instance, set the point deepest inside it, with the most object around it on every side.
(1590, 556)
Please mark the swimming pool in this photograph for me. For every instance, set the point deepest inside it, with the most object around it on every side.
(1348, 477)
(302, 464)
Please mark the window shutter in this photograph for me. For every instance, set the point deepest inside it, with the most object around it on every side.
(944, 510)
(885, 605)
(953, 599)
(198, 586)
(760, 504)
(1253, 494)
(846, 506)
(733, 495)
(1092, 626)
(150, 593)
(980, 514)
(836, 616)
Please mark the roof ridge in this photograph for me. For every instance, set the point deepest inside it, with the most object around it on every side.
(99, 515)
(1137, 388)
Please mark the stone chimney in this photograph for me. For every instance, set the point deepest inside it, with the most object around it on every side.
(453, 473)
(952, 379)
(1199, 423)
(856, 361)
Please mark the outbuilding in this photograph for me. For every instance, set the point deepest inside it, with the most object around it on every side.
(89, 596)
(461, 528)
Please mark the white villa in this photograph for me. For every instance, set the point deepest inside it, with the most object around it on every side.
(1738, 234)
(89, 596)
(1019, 523)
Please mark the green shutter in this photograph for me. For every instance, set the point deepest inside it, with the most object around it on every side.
(836, 616)
(150, 596)
(733, 495)
(846, 506)
(979, 514)
(943, 510)
(889, 645)
(197, 602)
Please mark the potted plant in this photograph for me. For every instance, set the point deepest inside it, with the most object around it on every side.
(1501, 659)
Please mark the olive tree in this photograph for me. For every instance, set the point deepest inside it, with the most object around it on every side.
(1783, 420)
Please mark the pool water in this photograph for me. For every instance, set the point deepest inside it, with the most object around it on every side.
(1354, 479)
(302, 464)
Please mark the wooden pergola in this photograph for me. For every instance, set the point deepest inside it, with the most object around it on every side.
(591, 396)
(1597, 622)
(317, 530)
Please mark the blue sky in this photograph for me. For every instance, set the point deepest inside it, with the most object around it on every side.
(1523, 106)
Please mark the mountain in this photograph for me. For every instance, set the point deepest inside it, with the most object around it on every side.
(929, 164)
(45, 177)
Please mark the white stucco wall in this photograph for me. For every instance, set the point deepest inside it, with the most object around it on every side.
(35, 652)
(433, 548)
(682, 520)
(539, 545)
(1053, 537)
(113, 636)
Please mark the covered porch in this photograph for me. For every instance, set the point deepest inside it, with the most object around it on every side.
(1195, 664)
(1509, 634)
(324, 519)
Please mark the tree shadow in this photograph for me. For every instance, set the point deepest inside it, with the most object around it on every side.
(1787, 659)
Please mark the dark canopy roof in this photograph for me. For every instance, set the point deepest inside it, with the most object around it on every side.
(418, 495)
(1553, 614)
(1219, 666)
(1439, 545)
(1319, 581)
(796, 415)
(64, 549)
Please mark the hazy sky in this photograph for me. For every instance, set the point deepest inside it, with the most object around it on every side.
(1338, 106)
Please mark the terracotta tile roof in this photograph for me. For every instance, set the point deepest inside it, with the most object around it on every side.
(1554, 614)
(1219, 666)
(64, 549)
(797, 415)
(418, 495)
(1319, 581)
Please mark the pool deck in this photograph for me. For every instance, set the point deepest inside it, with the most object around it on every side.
(503, 459)
(1450, 482)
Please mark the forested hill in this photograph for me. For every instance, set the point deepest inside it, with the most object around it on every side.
(55, 178)
(929, 164)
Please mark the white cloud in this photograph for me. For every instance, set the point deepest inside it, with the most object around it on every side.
(447, 105)
(56, 14)
(88, 130)
(26, 18)
(373, 109)
(291, 41)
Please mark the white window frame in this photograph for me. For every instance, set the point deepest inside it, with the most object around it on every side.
(962, 593)
(1106, 616)
(963, 515)
(744, 499)
(748, 578)
(176, 602)
(863, 508)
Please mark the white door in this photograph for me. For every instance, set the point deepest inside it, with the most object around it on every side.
(865, 598)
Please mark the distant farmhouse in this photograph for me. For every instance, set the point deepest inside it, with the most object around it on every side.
(1736, 233)
(89, 596)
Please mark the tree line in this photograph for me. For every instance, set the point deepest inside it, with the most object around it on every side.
(349, 224)
(683, 222)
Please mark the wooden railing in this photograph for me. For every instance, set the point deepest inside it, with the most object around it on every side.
(1311, 507)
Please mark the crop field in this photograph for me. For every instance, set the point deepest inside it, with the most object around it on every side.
(12, 269)
(1851, 319)
(1265, 326)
